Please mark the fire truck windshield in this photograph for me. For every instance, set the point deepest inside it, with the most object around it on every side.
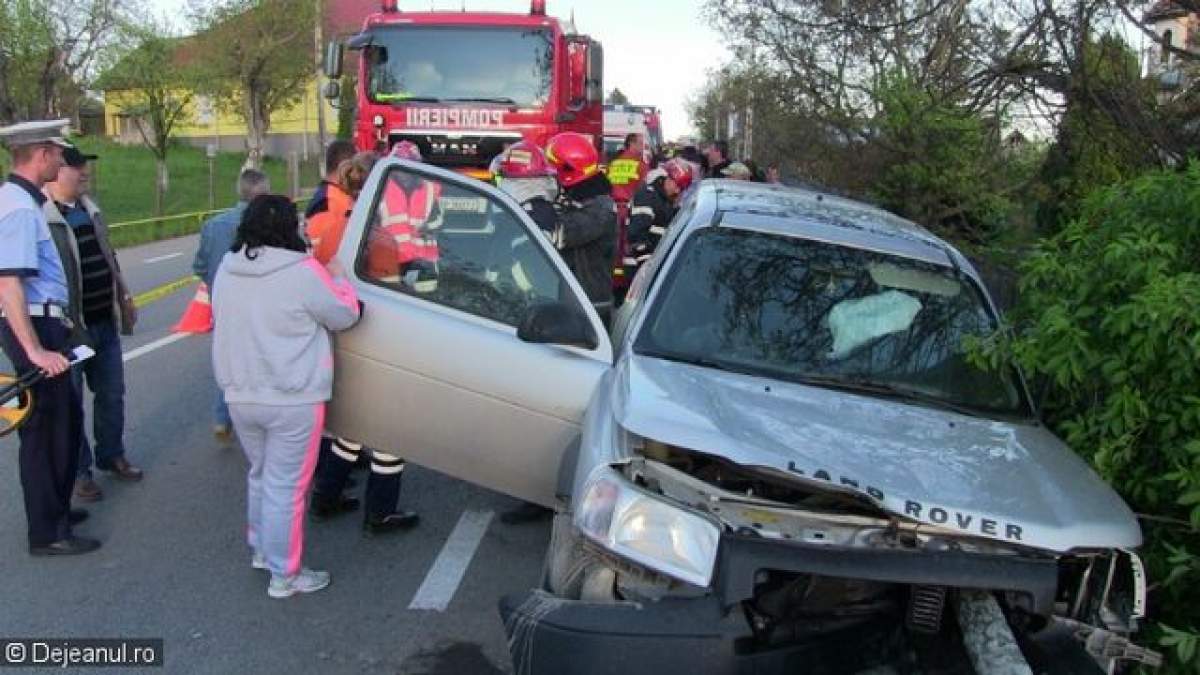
(507, 66)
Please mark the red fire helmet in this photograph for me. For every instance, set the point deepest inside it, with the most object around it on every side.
(523, 160)
(574, 156)
(677, 171)
(406, 150)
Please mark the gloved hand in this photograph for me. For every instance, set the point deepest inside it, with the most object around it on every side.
(420, 275)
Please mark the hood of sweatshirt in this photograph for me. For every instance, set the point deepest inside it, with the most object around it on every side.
(267, 260)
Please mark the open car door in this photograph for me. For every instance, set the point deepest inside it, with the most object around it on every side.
(447, 269)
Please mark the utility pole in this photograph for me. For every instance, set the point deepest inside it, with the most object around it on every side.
(748, 150)
(318, 40)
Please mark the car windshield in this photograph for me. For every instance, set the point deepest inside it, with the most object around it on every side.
(510, 66)
(812, 312)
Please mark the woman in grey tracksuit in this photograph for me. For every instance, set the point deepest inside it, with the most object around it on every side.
(274, 306)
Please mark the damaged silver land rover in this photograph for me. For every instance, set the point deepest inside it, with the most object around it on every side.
(779, 458)
(792, 465)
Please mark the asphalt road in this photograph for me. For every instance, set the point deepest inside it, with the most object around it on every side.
(174, 564)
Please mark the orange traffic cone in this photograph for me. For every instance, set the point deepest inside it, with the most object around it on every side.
(197, 318)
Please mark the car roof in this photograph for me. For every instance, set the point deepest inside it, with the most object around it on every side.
(811, 214)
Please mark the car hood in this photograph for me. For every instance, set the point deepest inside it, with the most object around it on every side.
(1010, 482)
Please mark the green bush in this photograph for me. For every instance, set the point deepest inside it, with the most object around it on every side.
(1108, 329)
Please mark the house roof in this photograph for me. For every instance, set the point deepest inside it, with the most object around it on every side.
(345, 17)
(1164, 9)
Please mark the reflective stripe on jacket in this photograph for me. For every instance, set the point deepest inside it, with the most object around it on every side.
(409, 218)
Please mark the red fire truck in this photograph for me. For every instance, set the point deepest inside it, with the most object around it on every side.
(463, 85)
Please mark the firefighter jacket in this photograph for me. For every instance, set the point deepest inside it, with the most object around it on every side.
(626, 174)
(586, 236)
(649, 216)
(410, 217)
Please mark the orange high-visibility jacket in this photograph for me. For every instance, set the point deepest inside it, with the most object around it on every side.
(409, 218)
(326, 229)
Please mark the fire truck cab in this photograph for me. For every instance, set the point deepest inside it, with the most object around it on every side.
(463, 85)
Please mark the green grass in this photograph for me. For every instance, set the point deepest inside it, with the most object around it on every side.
(123, 184)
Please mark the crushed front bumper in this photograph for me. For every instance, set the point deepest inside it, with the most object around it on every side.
(551, 636)
(710, 634)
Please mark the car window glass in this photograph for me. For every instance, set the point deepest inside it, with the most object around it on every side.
(682, 216)
(792, 308)
(451, 245)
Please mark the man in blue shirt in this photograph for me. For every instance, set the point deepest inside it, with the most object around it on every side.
(216, 238)
(34, 334)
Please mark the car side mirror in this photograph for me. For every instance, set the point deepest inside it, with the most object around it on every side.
(577, 64)
(557, 323)
(332, 90)
(333, 60)
(594, 84)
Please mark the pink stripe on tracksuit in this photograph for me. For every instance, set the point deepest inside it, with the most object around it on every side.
(300, 496)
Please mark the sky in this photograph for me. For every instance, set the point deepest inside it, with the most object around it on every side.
(658, 52)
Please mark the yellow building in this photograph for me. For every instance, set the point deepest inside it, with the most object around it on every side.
(292, 130)
(205, 123)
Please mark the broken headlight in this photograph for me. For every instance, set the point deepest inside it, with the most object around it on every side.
(643, 528)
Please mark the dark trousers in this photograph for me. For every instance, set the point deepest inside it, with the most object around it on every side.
(105, 375)
(49, 438)
(383, 483)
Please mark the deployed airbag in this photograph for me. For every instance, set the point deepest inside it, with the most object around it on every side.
(856, 322)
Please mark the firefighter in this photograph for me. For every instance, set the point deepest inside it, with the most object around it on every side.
(627, 171)
(339, 455)
(586, 232)
(524, 173)
(653, 208)
(410, 213)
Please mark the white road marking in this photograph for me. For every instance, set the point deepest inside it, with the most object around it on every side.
(163, 257)
(441, 583)
(157, 344)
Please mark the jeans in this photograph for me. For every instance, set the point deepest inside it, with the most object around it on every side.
(220, 408)
(105, 376)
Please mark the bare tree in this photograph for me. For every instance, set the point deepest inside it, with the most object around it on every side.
(257, 55)
(48, 52)
(1000, 59)
(152, 84)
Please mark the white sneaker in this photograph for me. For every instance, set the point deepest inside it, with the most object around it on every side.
(258, 561)
(307, 581)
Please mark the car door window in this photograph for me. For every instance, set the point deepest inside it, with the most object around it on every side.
(448, 244)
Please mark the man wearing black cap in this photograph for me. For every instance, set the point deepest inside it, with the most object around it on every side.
(102, 306)
(34, 334)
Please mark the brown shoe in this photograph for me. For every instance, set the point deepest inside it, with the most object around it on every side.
(86, 490)
(122, 469)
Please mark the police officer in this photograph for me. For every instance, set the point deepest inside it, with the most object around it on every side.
(34, 334)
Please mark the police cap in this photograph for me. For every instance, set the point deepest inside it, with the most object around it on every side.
(35, 133)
